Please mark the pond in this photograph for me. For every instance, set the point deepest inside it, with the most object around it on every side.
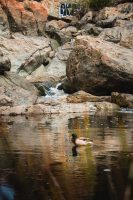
(38, 161)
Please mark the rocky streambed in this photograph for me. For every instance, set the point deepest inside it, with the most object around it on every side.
(92, 58)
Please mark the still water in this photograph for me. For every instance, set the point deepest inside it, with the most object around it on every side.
(38, 160)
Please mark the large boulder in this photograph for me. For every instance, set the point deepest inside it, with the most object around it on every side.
(98, 67)
(28, 18)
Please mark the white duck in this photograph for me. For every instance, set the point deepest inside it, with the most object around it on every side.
(81, 141)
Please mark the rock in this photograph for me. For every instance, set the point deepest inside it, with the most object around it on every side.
(69, 31)
(87, 18)
(40, 13)
(22, 48)
(106, 13)
(81, 96)
(64, 108)
(91, 29)
(98, 67)
(53, 29)
(28, 17)
(18, 89)
(122, 99)
(107, 23)
(121, 35)
(56, 68)
(55, 25)
(38, 58)
(125, 8)
(5, 64)
(3, 20)
(107, 16)
(5, 101)
(63, 52)
(123, 23)
(121, 1)
(13, 111)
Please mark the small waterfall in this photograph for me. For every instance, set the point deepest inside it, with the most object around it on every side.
(54, 92)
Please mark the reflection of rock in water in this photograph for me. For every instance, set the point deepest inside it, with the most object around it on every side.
(6, 192)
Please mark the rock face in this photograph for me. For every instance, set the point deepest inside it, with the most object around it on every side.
(22, 49)
(17, 90)
(99, 67)
(123, 100)
(26, 17)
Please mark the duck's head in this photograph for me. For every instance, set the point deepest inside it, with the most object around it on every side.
(74, 136)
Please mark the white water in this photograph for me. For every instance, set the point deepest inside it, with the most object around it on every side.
(54, 92)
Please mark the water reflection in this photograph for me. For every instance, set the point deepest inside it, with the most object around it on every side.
(6, 192)
(38, 160)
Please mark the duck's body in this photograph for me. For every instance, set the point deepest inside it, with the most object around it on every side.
(82, 141)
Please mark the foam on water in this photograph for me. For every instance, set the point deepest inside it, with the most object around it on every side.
(55, 92)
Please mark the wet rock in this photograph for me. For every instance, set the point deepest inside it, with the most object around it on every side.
(99, 67)
(122, 99)
(81, 96)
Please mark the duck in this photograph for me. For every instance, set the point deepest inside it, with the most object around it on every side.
(81, 141)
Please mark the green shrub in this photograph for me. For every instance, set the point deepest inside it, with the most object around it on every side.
(95, 4)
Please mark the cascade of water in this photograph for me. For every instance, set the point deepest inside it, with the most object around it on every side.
(54, 92)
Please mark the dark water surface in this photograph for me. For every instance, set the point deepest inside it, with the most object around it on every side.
(38, 160)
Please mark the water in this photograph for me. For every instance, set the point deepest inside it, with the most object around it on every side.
(54, 92)
(38, 160)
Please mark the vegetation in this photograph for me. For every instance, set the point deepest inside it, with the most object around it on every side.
(95, 4)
